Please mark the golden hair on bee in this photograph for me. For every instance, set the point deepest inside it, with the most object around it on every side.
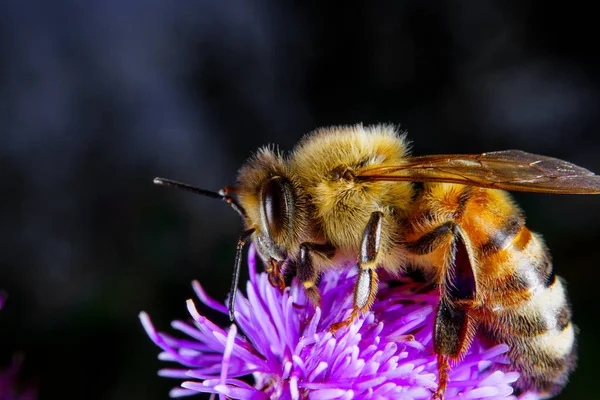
(325, 162)
(347, 195)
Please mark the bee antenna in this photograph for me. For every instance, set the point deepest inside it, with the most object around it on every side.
(203, 192)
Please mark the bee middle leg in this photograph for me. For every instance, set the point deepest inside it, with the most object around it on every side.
(365, 289)
(306, 270)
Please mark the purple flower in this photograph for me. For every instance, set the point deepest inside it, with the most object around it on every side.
(284, 346)
(2, 298)
(9, 387)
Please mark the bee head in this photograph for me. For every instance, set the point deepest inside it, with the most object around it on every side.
(271, 194)
(270, 201)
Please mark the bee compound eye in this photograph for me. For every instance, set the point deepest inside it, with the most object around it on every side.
(277, 200)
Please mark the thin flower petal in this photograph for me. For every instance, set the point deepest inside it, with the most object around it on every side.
(284, 345)
(227, 352)
(206, 299)
(3, 297)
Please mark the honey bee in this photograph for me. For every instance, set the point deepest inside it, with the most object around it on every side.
(350, 194)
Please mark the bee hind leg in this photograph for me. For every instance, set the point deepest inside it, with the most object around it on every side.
(365, 289)
(454, 326)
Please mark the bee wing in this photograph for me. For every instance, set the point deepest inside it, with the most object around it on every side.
(508, 170)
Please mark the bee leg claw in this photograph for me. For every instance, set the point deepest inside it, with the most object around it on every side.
(347, 322)
(443, 368)
(437, 396)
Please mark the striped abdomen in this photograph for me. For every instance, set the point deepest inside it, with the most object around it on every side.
(528, 309)
(518, 299)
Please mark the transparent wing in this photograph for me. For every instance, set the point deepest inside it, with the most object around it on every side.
(508, 170)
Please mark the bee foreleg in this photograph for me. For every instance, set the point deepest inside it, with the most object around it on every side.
(275, 274)
(306, 270)
(365, 289)
(236, 271)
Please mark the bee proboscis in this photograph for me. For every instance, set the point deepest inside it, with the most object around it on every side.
(349, 194)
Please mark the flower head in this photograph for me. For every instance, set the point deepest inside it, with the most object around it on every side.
(284, 344)
(9, 386)
(2, 298)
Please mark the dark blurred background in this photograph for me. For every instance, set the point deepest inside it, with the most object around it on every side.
(97, 98)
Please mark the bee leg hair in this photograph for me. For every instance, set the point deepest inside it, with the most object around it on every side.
(454, 327)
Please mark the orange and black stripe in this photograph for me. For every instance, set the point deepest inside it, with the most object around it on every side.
(519, 301)
(531, 312)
